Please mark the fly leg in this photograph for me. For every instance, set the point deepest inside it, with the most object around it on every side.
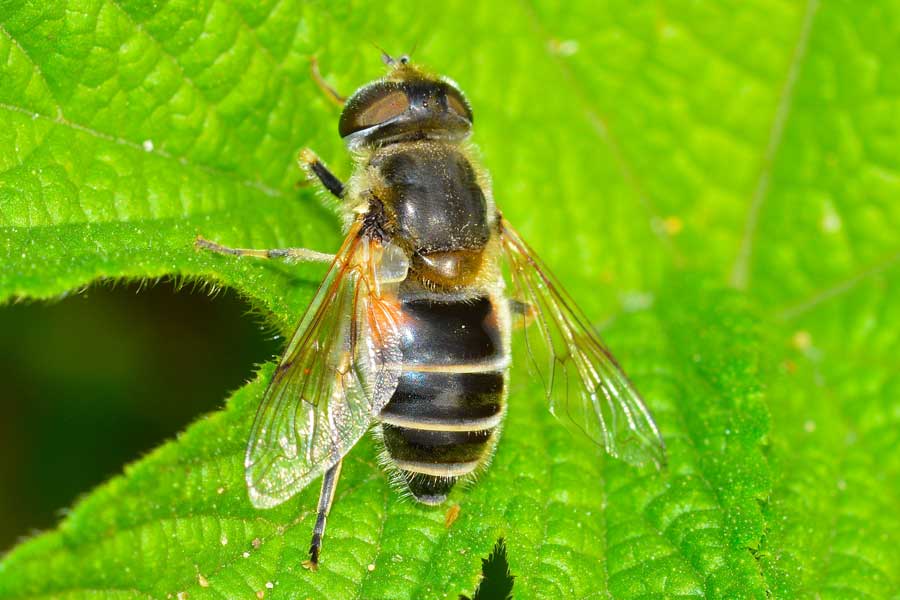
(524, 311)
(312, 165)
(329, 91)
(308, 159)
(287, 254)
(329, 484)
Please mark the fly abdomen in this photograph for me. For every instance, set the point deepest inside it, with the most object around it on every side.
(435, 453)
(446, 401)
(460, 333)
(440, 423)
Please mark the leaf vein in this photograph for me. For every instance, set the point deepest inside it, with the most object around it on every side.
(183, 160)
(599, 125)
(740, 274)
(37, 68)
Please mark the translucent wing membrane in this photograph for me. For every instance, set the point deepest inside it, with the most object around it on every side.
(585, 386)
(339, 369)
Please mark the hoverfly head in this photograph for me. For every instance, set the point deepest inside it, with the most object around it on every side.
(407, 104)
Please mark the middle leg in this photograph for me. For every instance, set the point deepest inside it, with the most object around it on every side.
(288, 254)
(524, 310)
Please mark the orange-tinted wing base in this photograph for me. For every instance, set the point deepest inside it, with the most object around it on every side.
(337, 372)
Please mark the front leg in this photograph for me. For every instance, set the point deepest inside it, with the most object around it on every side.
(312, 165)
(288, 254)
(330, 93)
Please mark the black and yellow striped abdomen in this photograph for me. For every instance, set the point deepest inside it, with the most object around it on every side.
(442, 420)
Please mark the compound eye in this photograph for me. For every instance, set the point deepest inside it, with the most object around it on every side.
(373, 111)
(383, 109)
(458, 104)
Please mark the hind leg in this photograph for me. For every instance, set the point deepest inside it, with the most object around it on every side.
(326, 497)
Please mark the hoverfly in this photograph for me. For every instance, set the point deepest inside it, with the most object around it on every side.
(410, 329)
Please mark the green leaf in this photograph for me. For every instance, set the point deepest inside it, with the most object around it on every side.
(833, 520)
(654, 153)
(180, 519)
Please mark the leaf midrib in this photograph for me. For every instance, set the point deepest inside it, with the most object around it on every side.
(184, 161)
(740, 273)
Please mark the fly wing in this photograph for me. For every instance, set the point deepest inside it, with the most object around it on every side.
(339, 369)
(586, 388)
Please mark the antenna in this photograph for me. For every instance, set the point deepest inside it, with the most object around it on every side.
(385, 57)
(415, 46)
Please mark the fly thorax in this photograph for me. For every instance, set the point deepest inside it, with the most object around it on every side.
(438, 211)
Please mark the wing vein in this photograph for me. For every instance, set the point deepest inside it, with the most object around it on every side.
(322, 399)
(585, 386)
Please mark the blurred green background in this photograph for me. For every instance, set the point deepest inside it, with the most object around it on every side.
(96, 380)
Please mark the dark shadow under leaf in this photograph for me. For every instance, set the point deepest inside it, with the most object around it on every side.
(496, 580)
